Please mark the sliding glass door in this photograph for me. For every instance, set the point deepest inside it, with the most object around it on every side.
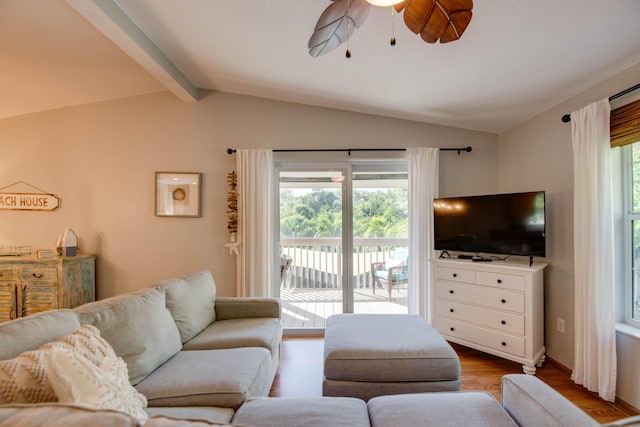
(343, 241)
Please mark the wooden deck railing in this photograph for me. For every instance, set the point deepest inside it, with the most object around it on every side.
(317, 262)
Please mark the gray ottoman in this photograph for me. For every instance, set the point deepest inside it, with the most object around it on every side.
(368, 355)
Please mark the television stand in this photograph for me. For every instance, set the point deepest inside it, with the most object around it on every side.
(444, 252)
(495, 307)
(530, 260)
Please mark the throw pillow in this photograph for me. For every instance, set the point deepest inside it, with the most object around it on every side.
(23, 379)
(393, 263)
(87, 341)
(77, 380)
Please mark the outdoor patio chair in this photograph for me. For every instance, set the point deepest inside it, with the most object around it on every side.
(391, 272)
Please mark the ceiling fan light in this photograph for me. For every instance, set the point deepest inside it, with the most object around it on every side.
(384, 3)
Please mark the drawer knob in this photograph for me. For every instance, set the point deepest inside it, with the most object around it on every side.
(37, 276)
(452, 329)
(504, 301)
(450, 291)
(504, 322)
(451, 310)
(499, 280)
(504, 344)
(455, 275)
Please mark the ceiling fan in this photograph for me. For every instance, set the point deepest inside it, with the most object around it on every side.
(434, 20)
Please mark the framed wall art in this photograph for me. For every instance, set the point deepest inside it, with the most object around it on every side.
(178, 194)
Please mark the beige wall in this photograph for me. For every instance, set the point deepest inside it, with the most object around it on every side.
(101, 159)
(538, 155)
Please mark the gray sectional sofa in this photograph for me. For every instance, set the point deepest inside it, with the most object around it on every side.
(527, 402)
(186, 350)
(202, 360)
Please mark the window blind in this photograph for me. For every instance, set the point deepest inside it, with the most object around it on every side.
(625, 124)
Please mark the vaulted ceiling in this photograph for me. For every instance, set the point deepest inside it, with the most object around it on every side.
(516, 59)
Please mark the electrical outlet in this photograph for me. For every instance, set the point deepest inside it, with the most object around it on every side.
(560, 325)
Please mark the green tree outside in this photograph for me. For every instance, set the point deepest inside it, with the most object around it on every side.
(380, 213)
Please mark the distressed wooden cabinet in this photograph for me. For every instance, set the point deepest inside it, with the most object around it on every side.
(495, 307)
(29, 285)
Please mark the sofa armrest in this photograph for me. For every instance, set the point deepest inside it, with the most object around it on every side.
(243, 308)
(532, 403)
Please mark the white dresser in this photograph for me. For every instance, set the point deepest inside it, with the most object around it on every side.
(496, 307)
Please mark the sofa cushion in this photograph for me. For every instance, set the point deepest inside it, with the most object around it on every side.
(223, 378)
(234, 333)
(191, 301)
(78, 380)
(164, 421)
(530, 401)
(209, 414)
(444, 409)
(138, 326)
(62, 415)
(29, 333)
(307, 411)
(633, 421)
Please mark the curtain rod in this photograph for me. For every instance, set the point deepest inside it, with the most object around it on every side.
(567, 117)
(350, 150)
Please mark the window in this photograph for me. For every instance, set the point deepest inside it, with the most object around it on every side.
(631, 162)
(625, 133)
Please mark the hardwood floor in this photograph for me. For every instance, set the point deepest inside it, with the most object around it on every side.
(300, 374)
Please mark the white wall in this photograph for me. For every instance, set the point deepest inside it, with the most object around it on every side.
(101, 159)
(538, 155)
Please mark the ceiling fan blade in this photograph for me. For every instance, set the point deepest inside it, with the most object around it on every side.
(334, 24)
(434, 20)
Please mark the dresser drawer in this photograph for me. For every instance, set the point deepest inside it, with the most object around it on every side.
(456, 275)
(492, 339)
(506, 281)
(482, 295)
(7, 274)
(498, 320)
(46, 274)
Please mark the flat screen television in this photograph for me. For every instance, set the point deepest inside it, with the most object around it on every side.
(507, 224)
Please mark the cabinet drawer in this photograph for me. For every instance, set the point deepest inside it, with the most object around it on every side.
(38, 298)
(506, 281)
(482, 295)
(456, 275)
(494, 319)
(496, 340)
(39, 274)
(7, 274)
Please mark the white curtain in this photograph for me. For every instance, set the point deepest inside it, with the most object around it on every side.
(595, 335)
(422, 164)
(255, 231)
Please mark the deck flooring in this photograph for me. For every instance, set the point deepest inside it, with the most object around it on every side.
(310, 308)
